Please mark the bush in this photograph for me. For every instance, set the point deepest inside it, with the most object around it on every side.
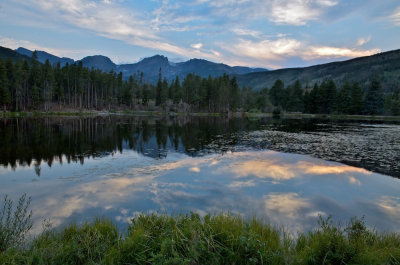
(14, 223)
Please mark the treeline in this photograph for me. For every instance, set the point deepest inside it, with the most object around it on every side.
(30, 85)
(326, 98)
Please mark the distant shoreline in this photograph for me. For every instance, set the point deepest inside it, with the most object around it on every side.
(83, 113)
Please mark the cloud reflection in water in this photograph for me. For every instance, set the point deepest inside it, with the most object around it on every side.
(286, 189)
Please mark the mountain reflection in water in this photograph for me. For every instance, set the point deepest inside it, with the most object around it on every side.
(28, 141)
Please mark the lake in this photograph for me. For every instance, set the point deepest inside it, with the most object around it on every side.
(286, 171)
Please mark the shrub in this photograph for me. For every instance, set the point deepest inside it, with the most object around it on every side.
(14, 223)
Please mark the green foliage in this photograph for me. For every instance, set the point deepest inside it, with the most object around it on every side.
(5, 96)
(374, 101)
(212, 239)
(14, 223)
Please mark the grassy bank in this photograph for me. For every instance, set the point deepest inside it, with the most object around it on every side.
(218, 239)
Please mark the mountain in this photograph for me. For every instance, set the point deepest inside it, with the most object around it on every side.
(99, 62)
(386, 65)
(43, 56)
(9, 53)
(149, 66)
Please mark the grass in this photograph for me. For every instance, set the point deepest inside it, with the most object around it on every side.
(213, 239)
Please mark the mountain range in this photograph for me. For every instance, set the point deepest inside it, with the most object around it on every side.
(149, 66)
(386, 65)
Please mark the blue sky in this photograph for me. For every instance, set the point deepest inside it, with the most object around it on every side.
(258, 33)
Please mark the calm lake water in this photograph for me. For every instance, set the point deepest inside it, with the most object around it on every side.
(286, 171)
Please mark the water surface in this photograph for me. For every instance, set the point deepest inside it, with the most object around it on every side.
(281, 170)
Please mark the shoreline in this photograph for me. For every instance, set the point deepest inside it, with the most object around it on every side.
(90, 113)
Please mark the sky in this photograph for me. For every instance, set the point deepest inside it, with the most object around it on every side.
(257, 33)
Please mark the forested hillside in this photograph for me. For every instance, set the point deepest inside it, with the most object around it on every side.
(386, 65)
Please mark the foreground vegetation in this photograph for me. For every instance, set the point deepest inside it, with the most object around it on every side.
(191, 239)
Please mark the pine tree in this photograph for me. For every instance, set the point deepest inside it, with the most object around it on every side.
(5, 97)
(295, 97)
(159, 88)
(374, 100)
(276, 93)
(344, 98)
(357, 99)
(331, 97)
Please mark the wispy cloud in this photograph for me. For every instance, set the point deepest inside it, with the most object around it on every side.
(395, 17)
(298, 12)
(274, 50)
(14, 44)
(247, 32)
(362, 41)
(328, 52)
(196, 45)
(109, 19)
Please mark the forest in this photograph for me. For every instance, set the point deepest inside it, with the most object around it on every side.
(28, 85)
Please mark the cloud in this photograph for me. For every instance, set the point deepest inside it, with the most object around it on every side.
(390, 204)
(362, 41)
(196, 45)
(247, 32)
(286, 205)
(282, 12)
(275, 50)
(298, 12)
(110, 20)
(264, 169)
(395, 17)
(315, 169)
(14, 44)
(328, 52)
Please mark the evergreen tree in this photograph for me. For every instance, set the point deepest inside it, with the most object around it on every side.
(276, 93)
(234, 94)
(331, 96)
(374, 100)
(5, 97)
(295, 98)
(164, 91)
(159, 89)
(177, 91)
(357, 99)
(344, 98)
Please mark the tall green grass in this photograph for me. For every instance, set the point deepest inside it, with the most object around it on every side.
(212, 239)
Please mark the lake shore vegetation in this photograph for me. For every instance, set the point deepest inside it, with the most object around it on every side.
(192, 239)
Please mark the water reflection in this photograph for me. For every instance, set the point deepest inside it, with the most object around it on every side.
(33, 142)
(285, 189)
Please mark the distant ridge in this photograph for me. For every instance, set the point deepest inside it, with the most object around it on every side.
(43, 56)
(386, 65)
(9, 53)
